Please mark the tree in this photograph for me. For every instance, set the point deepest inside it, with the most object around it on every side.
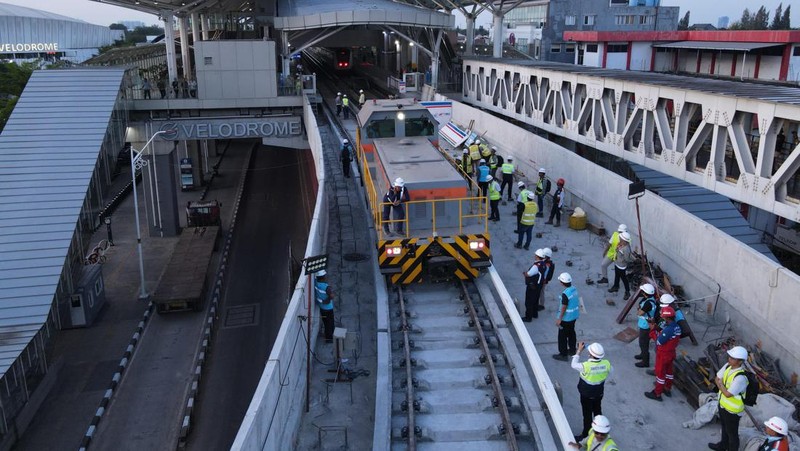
(13, 79)
(761, 19)
(786, 20)
(776, 19)
(118, 26)
(683, 24)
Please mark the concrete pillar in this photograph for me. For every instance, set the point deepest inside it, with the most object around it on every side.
(470, 43)
(183, 29)
(397, 48)
(497, 38)
(196, 28)
(286, 54)
(385, 62)
(204, 25)
(169, 39)
(161, 189)
(414, 56)
(435, 70)
(194, 152)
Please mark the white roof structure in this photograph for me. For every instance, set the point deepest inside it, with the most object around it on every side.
(21, 11)
(305, 14)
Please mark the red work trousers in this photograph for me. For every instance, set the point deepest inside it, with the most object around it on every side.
(664, 377)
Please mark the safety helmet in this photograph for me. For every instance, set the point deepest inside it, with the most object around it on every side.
(344, 95)
(345, 141)
(666, 299)
(622, 228)
(565, 278)
(494, 148)
(531, 196)
(539, 253)
(482, 161)
(601, 424)
(338, 93)
(489, 178)
(520, 184)
(548, 252)
(596, 350)
(541, 171)
(477, 141)
(668, 312)
(648, 288)
(778, 425)
(560, 182)
(360, 91)
(399, 182)
(322, 273)
(738, 352)
(509, 158)
(625, 236)
(466, 151)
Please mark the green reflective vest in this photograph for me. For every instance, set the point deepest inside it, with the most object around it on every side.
(612, 251)
(345, 101)
(474, 152)
(595, 372)
(609, 444)
(507, 168)
(529, 214)
(494, 190)
(734, 404)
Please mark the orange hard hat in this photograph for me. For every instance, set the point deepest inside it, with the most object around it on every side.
(560, 182)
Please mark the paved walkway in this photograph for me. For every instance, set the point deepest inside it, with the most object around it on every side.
(339, 409)
(91, 355)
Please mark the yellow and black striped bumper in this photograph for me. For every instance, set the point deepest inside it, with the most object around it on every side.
(404, 259)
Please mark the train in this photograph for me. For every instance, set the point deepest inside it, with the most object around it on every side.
(445, 230)
(339, 59)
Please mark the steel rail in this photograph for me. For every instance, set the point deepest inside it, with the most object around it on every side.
(412, 436)
(511, 438)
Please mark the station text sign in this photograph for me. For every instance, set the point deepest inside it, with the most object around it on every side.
(29, 47)
(266, 127)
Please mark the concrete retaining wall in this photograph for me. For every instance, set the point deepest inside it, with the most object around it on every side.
(758, 293)
(273, 417)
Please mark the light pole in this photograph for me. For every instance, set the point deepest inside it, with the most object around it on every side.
(137, 162)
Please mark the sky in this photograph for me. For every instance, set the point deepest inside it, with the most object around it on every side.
(703, 11)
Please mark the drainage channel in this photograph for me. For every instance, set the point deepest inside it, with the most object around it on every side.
(452, 387)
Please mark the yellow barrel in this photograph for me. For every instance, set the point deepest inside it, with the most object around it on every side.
(577, 222)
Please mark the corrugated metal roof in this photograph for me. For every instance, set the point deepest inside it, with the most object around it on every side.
(711, 45)
(707, 205)
(305, 14)
(48, 152)
(21, 11)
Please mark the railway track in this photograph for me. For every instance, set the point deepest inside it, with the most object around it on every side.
(452, 387)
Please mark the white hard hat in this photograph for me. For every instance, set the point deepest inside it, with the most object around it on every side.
(509, 158)
(494, 148)
(489, 178)
(477, 141)
(667, 299)
(531, 195)
(520, 184)
(778, 425)
(399, 182)
(344, 95)
(466, 151)
(482, 161)
(322, 273)
(625, 236)
(360, 90)
(622, 228)
(565, 278)
(738, 352)
(539, 253)
(548, 252)
(601, 424)
(345, 141)
(648, 288)
(597, 351)
(542, 171)
(338, 93)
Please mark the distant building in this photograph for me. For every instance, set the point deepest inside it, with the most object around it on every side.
(702, 27)
(538, 29)
(28, 34)
(769, 55)
(131, 24)
(723, 22)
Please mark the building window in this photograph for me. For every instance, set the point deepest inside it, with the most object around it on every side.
(618, 48)
(591, 48)
(796, 51)
(208, 61)
(555, 48)
(569, 20)
(625, 19)
(588, 20)
(647, 20)
(569, 48)
(618, 3)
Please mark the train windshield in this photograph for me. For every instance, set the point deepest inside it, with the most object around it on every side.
(419, 126)
(381, 128)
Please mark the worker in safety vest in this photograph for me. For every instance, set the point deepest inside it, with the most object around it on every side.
(323, 295)
(610, 253)
(527, 221)
(732, 383)
(486, 152)
(346, 106)
(483, 177)
(494, 198)
(492, 161)
(338, 102)
(507, 169)
(777, 435)
(362, 98)
(598, 438)
(566, 317)
(522, 197)
(542, 189)
(475, 155)
(394, 200)
(593, 375)
(647, 313)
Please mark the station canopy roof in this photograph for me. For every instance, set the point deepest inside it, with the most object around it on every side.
(711, 45)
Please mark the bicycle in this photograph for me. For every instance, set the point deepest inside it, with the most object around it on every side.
(98, 254)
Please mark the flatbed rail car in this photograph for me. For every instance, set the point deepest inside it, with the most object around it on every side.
(184, 283)
(445, 229)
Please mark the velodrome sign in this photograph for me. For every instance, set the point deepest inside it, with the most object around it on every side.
(29, 47)
(231, 128)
